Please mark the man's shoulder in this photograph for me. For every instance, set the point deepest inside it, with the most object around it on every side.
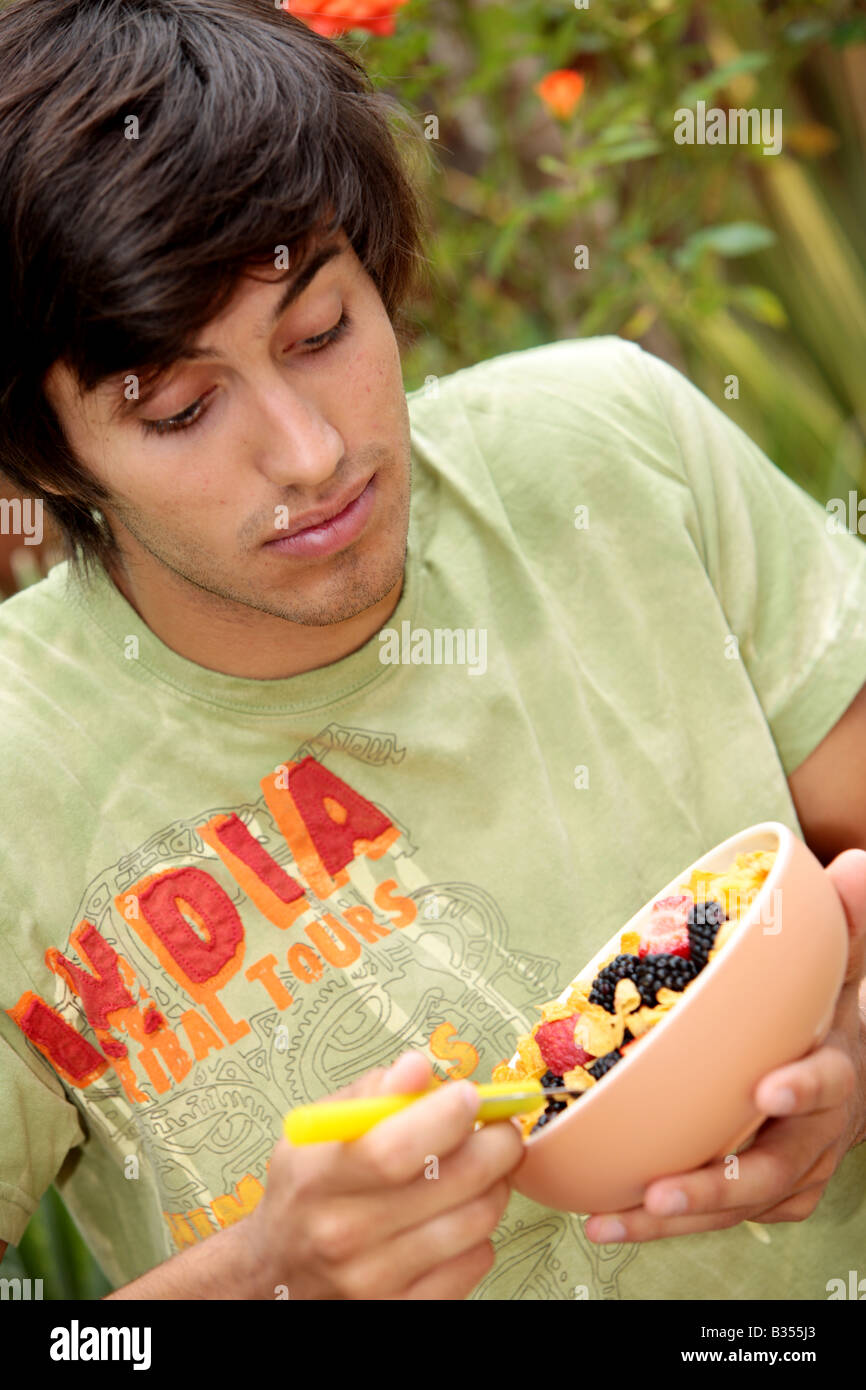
(599, 389)
(39, 629)
(569, 364)
(575, 403)
(27, 616)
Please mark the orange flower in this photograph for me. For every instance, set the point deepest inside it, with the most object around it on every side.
(330, 17)
(561, 90)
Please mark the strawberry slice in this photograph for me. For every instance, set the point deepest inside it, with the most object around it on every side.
(666, 934)
(679, 904)
(557, 1046)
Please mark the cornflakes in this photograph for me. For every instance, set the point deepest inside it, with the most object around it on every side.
(623, 997)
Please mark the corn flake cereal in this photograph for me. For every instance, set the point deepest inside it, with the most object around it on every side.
(533, 1063)
(665, 950)
(551, 1012)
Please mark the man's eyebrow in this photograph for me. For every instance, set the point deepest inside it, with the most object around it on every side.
(294, 289)
(296, 286)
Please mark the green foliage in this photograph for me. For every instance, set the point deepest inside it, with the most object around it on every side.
(720, 258)
(52, 1250)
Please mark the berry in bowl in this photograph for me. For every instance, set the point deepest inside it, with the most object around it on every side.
(731, 971)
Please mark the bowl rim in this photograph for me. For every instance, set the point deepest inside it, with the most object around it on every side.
(784, 850)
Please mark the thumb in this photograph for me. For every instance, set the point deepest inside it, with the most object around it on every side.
(848, 872)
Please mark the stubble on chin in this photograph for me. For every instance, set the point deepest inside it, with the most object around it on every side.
(357, 581)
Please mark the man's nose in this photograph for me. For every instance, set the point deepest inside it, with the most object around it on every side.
(293, 442)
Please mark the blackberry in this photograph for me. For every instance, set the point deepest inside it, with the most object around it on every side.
(604, 1064)
(662, 970)
(605, 983)
(704, 920)
(550, 1078)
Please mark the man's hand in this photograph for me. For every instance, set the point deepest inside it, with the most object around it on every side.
(404, 1212)
(783, 1174)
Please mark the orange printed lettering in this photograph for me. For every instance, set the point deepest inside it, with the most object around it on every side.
(202, 1038)
(277, 896)
(326, 823)
(364, 923)
(202, 960)
(265, 971)
(71, 1055)
(181, 1230)
(442, 1046)
(341, 952)
(304, 963)
(230, 1208)
(405, 908)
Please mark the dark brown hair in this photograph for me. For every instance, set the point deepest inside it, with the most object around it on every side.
(253, 132)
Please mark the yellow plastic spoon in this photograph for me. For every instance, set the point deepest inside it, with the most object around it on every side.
(327, 1120)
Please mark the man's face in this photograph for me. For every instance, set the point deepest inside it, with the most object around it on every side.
(265, 431)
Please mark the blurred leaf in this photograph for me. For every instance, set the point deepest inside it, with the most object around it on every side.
(802, 30)
(712, 82)
(728, 239)
(810, 139)
(761, 304)
(549, 165)
(640, 322)
(51, 1249)
(849, 31)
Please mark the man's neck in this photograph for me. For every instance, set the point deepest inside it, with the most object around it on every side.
(238, 640)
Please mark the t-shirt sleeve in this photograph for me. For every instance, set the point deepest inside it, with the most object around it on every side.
(38, 1127)
(792, 586)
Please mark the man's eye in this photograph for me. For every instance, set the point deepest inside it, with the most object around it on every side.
(182, 421)
(323, 340)
(185, 419)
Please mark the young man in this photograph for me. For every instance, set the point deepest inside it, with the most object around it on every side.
(287, 798)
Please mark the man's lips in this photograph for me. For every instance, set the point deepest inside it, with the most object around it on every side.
(329, 536)
(322, 514)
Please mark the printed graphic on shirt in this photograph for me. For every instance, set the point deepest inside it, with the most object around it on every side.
(263, 955)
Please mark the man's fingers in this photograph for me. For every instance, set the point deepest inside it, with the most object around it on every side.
(410, 1072)
(456, 1278)
(786, 1156)
(822, 1081)
(795, 1208)
(395, 1150)
(488, 1157)
(399, 1262)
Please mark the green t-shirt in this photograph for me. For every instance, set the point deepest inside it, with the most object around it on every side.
(221, 897)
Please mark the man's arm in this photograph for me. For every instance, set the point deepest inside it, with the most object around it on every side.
(829, 794)
(221, 1267)
(829, 788)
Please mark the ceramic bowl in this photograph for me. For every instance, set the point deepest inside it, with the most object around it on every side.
(683, 1094)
